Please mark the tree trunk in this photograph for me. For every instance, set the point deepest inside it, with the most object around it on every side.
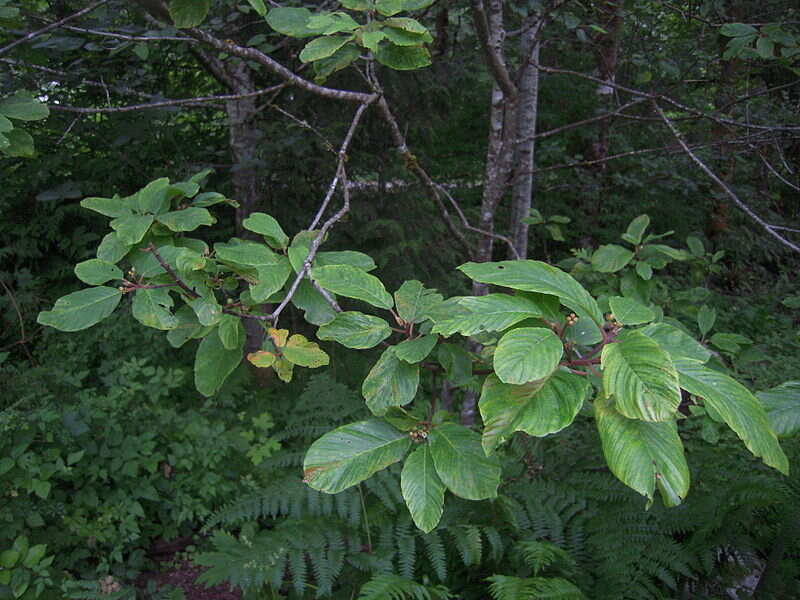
(527, 112)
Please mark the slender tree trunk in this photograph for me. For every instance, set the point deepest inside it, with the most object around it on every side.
(527, 112)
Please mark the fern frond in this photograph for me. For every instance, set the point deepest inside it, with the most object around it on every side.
(434, 550)
(541, 555)
(393, 587)
(504, 587)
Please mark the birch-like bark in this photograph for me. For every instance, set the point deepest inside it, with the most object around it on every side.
(527, 113)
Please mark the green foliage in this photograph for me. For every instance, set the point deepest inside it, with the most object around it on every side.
(24, 570)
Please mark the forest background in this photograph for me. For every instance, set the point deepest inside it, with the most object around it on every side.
(482, 131)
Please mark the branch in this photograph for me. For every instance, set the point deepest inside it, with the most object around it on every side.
(494, 57)
(341, 175)
(569, 126)
(413, 165)
(668, 100)
(23, 340)
(731, 194)
(130, 38)
(669, 149)
(57, 24)
(774, 171)
(278, 69)
(164, 103)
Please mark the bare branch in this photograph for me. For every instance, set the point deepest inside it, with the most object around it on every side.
(413, 165)
(731, 194)
(164, 103)
(130, 38)
(51, 26)
(668, 100)
(588, 121)
(341, 175)
(487, 35)
(774, 171)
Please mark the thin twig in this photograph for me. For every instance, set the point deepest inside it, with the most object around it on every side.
(668, 100)
(340, 176)
(130, 38)
(51, 26)
(163, 103)
(23, 340)
(727, 189)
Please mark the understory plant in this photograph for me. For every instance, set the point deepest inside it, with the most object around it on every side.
(548, 349)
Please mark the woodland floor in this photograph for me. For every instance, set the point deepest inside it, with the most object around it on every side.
(184, 574)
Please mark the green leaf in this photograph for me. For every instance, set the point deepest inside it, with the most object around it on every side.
(675, 342)
(406, 32)
(82, 309)
(782, 404)
(737, 30)
(410, 5)
(737, 407)
(641, 378)
(643, 455)
(188, 13)
(299, 351)
(9, 558)
(630, 312)
(695, 246)
(414, 301)
(340, 59)
(154, 198)
(111, 249)
(403, 58)
(207, 309)
(538, 408)
(300, 247)
(323, 47)
(372, 39)
(462, 464)
(188, 327)
(355, 330)
(644, 270)
(110, 207)
(359, 260)
(231, 332)
(422, 488)
(271, 278)
(536, 276)
(527, 354)
(353, 283)
(334, 22)
(24, 107)
(350, 454)
(611, 258)
(492, 312)
(267, 226)
(41, 488)
(6, 464)
(131, 229)
(35, 554)
(730, 342)
(246, 253)
(97, 272)
(207, 199)
(291, 21)
(259, 7)
(187, 219)
(151, 308)
(636, 229)
(457, 363)
(706, 317)
(20, 144)
(316, 309)
(389, 7)
(214, 363)
(416, 350)
(390, 382)
(357, 5)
